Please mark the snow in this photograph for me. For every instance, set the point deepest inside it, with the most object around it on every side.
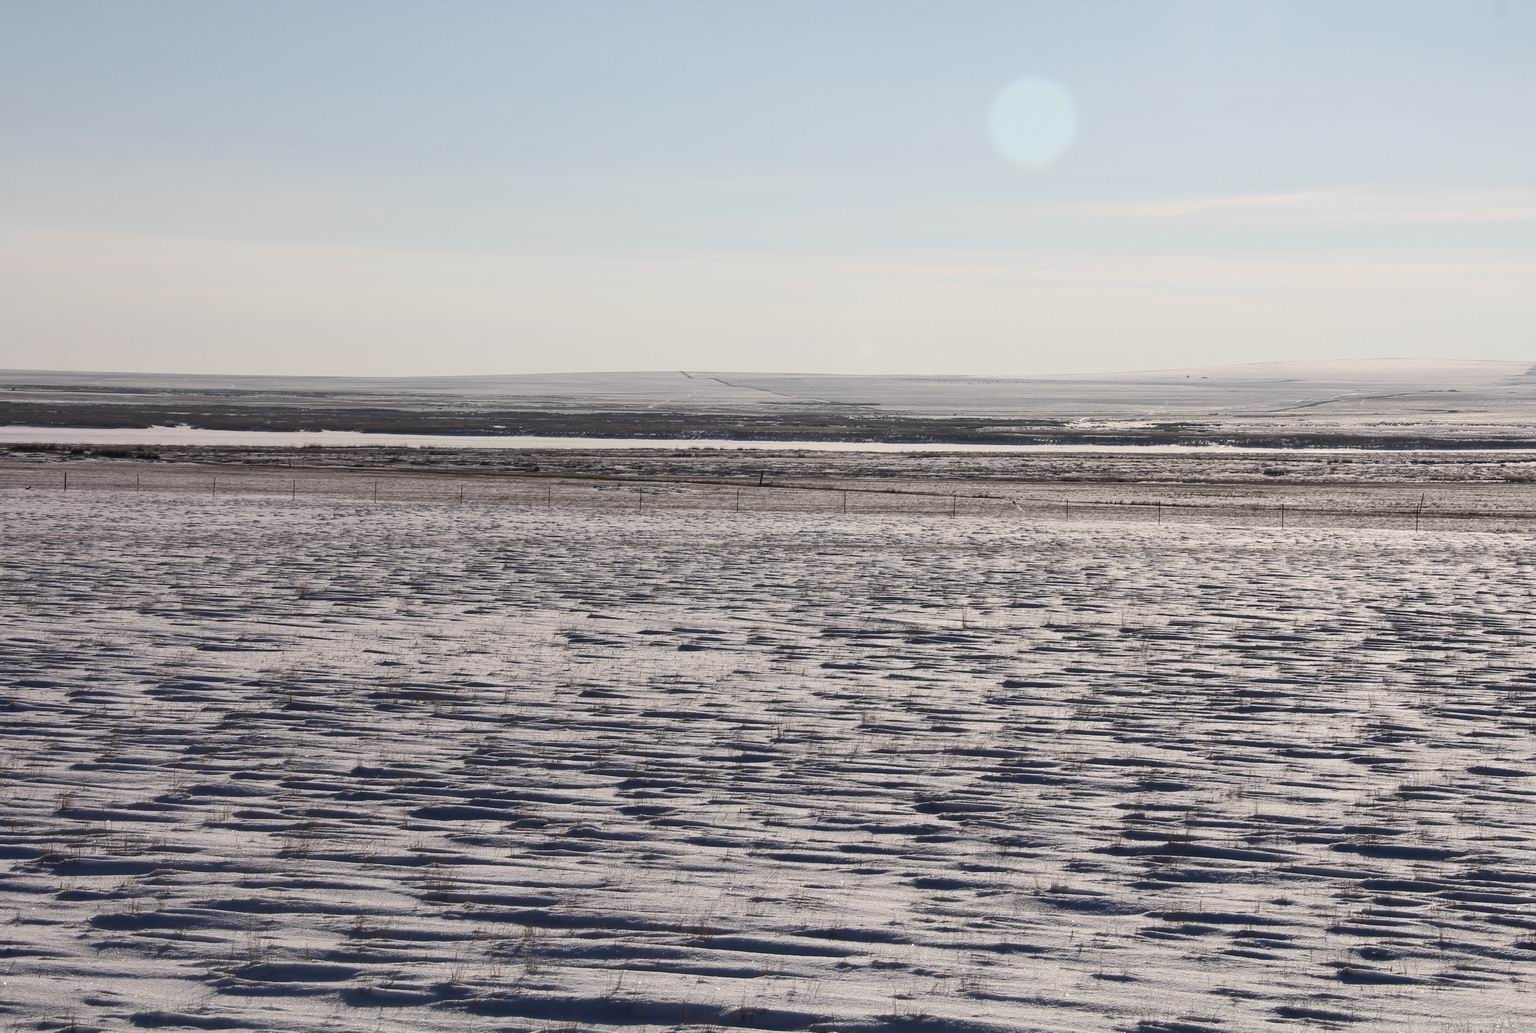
(198, 436)
(1405, 402)
(323, 763)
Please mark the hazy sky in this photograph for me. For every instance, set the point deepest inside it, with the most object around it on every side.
(839, 186)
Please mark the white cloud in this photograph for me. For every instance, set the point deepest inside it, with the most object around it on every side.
(1336, 206)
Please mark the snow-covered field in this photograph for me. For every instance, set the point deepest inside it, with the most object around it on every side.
(1381, 490)
(1351, 390)
(1400, 402)
(314, 762)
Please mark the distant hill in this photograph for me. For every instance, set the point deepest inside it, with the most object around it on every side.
(1391, 401)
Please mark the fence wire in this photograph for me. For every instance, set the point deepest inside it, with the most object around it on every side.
(1338, 507)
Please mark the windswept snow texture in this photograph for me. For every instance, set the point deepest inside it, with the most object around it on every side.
(326, 764)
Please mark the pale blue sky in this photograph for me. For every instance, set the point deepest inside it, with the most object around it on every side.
(498, 187)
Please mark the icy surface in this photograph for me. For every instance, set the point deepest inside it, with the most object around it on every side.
(330, 764)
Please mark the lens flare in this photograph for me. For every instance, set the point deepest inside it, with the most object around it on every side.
(1033, 122)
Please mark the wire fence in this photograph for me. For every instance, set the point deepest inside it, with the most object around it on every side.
(1336, 507)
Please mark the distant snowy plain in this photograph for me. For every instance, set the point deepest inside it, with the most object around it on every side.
(194, 436)
(1391, 403)
(324, 763)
